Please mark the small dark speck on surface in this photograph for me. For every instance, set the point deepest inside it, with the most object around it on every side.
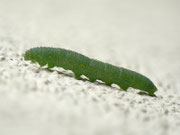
(2, 58)
(47, 82)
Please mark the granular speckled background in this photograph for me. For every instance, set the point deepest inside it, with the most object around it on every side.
(140, 35)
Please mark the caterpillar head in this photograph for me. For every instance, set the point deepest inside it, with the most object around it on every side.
(32, 54)
(28, 55)
(37, 55)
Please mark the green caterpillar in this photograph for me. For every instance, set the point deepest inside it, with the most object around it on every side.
(91, 68)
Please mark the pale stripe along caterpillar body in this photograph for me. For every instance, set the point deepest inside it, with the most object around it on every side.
(91, 68)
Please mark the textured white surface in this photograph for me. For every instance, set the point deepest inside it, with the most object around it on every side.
(139, 35)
